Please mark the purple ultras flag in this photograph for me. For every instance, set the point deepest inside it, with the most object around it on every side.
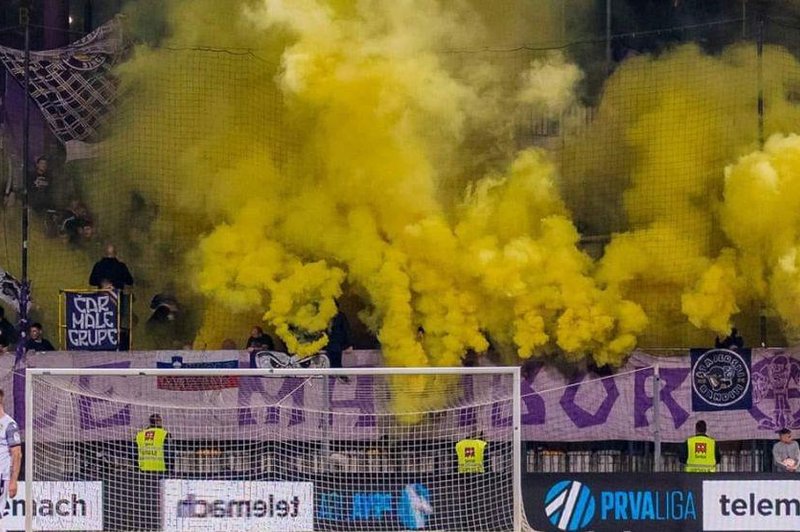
(73, 86)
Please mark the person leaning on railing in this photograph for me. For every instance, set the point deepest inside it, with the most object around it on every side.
(785, 453)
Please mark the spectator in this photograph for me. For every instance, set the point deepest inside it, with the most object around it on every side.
(530, 368)
(732, 341)
(74, 217)
(12, 184)
(785, 453)
(85, 233)
(338, 338)
(35, 342)
(40, 186)
(165, 309)
(700, 453)
(112, 269)
(470, 359)
(8, 334)
(259, 341)
(228, 344)
(163, 325)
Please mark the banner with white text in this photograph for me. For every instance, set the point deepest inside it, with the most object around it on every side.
(91, 320)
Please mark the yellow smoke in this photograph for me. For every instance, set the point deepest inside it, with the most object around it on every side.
(336, 143)
(665, 129)
(760, 219)
(380, 125)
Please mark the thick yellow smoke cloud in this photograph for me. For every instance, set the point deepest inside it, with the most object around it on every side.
(378, 125)
(340, 145)
(665, 129)
(760, 218)
(385, 108)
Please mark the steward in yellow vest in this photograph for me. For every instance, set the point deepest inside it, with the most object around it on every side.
(700, 453)
(470, 454)
(151, 446)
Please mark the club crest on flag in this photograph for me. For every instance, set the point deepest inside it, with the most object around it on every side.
(721, 380)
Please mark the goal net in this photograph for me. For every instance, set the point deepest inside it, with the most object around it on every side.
(261, 449)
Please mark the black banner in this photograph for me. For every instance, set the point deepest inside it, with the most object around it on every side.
(91, 320)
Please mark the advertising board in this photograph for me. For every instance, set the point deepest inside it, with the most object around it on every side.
(237, 505)
(751, 504)
(58, 506)
(573, 502)
(611, 502)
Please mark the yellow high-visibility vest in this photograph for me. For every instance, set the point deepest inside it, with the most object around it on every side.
(470, 456)
(150, 443)
(701, 456)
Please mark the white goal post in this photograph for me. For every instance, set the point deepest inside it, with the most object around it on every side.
(273, 449)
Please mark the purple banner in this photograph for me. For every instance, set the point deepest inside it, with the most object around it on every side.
(554, 408)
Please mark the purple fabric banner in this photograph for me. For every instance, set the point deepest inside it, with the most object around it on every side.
(553, 408)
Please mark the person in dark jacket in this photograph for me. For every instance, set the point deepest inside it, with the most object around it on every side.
(732, 341)
(112, 269)
(8, 334)
(259, 341)
(35, 342)
(40, 186)
(338, 339)
(164, 326)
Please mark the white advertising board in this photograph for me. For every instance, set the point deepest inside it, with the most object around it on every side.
(57, 506)
(751, 505)
(244, 505)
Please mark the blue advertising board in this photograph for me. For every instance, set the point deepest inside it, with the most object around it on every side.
(416, 502)
(642, 502)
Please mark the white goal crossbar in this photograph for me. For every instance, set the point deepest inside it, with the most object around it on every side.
(72, 385)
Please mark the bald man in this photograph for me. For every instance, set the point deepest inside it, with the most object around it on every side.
(110, 269)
